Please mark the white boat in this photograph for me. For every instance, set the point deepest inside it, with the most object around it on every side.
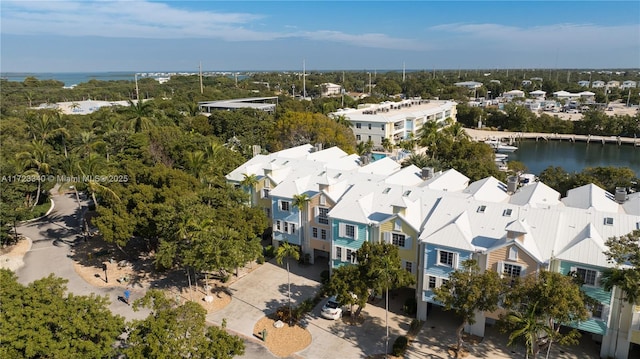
(501, 157)
(500, 146)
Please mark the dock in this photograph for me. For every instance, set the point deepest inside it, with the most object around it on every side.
(513, 137)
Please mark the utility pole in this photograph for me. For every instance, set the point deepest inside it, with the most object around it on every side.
(137, 90)
(201, 88)
(403, 71)
(369, 83)
(304, 81)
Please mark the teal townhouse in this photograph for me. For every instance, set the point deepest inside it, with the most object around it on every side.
(439, 219)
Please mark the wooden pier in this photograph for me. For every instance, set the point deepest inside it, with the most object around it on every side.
(512, 137)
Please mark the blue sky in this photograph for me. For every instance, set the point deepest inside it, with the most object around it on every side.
(137, 35)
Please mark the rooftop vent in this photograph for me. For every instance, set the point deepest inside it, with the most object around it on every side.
(512, 184)
(427, 173)
(621, 194)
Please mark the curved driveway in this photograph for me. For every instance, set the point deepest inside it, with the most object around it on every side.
(53, 237)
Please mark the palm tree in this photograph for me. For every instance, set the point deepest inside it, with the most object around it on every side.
(386, 144)
(249, 182)
(139, 115)
(344, 121)
(301, 201)
(526, 326)
(36, 164)
(286, 250)
(89, 168)
(196, 162)
(429, 136)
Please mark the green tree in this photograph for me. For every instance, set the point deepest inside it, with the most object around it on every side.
(41, 321)
(301, 202)
(528, 327)
(36, 164)
(624, 252)
(140, 115)
(553, 299)
(177, 332)
(350, 286)
(249, 182)
(468, 291)
(284, 252)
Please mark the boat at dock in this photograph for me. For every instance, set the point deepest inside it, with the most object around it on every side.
(499, 146)
(501, 157)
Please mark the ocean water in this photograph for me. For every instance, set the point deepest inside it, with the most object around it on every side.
(74, 78)
(70, 78)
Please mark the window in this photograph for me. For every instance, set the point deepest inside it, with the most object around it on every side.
(398, 239)
(323, 199)
(350, 231)
(481, 209)
(406, 193)
(351, 256)
(597, 311)
(386, 190)
(408, 266)
(511, 271)
(265, 193)
(293, 228)
(358, 137)
(278, 223)
(608, 221)
(358, 125)
(397, 225)
(432, 282)
(323, 217)
(381, 139)
(267, 211)
(588, 276)
(339, 253)
(382, 127)
(267, 183)
(507, 212)
(447, 259)
(369, 138)
(314, 232)
(286, 227)
(513, 253)
(323, 234)
(369, 126)
(284, 206)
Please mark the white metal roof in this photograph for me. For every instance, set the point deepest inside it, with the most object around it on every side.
(591, 196)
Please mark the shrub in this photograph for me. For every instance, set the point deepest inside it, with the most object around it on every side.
(414, 328)
(400, 346)
(269, 251)
(410, 306)
(260, 260)
(324, 277)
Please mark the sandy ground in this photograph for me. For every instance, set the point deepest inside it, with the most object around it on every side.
(282, 341)
(11, 257)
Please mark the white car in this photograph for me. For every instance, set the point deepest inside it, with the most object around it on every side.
(331, 309)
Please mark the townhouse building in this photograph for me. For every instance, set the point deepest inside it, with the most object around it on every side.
(439, 219)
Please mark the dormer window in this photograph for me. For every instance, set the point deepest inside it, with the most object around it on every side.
(481, 209)
(507, 212)
(338, 175)
(406, 193)
(608, 221)
(386, 190)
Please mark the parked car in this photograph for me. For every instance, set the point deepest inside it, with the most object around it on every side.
(331, 309)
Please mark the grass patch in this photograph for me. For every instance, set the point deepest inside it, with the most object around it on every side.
(38, 211)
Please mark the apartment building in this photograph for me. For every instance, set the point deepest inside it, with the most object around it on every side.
(396, 121)
(439, 219)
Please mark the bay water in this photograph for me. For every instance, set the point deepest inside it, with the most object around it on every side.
(575, 157)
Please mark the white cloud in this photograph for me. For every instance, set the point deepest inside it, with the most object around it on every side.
(143, 19)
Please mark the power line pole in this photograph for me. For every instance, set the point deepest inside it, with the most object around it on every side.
(201, 88)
